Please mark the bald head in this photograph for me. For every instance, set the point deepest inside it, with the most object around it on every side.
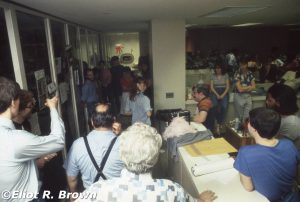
(102, 108)
(102, 117)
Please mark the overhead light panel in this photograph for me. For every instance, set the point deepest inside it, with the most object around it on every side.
(190, 25)
(247, 24)
(233, 11)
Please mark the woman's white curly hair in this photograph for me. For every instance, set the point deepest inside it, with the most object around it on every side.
(139, 148)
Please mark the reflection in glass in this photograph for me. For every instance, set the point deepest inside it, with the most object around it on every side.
(6, 66)
(35, 52)
(78, 79)
(59, 47)
(73, 40)
(93, 48)
(90, 49)
(83, 48)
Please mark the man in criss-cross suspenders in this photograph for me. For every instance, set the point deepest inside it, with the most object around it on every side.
(87, 155)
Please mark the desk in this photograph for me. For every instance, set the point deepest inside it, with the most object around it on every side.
(226, 184)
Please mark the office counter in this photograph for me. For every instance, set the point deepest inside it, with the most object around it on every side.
(226, 184)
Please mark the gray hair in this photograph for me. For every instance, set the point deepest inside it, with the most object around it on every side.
(139, 148)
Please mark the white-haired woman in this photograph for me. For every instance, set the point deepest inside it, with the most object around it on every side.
(139, 150)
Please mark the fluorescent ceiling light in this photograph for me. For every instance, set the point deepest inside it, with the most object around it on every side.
(247, 24)
(233, 11)
(190, 25)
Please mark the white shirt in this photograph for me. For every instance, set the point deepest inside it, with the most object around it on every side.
(18, 151)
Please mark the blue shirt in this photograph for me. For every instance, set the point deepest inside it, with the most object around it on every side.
(78, 159)
(273, 170)
(133, 187)
(89, 92)
(139, 108)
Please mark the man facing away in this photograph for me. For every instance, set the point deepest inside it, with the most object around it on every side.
(139, 150)
(19, 148)
(99, 140)
(271, 165)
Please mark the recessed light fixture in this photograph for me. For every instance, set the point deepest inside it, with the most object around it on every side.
(247, 24)
(233, 11)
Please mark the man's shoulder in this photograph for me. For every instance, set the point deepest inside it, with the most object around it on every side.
(205, 103)
(249, 149)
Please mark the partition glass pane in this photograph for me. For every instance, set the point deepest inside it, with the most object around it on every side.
(35, 56)
(6, 65)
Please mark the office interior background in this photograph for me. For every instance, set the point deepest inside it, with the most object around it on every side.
(34, 35)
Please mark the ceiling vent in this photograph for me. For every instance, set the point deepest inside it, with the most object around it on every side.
(232, 11)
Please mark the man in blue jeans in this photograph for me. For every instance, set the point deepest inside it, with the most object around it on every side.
(271, 165)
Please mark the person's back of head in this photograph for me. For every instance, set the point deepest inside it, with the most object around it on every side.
(139, 148)
(285, 99)
(114, 61)
(9, 91)
(243, 61)
(200, 88)
(102, 117)
(101, 64)
(265, 121)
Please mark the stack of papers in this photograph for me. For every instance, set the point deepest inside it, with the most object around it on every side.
(212, 166)
(209, 147)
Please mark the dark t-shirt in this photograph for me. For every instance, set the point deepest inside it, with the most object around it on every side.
(116, 75)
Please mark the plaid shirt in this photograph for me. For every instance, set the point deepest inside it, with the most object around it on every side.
(135, 188)
(245, 80)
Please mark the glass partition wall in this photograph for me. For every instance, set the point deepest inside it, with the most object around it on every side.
(47, 51)
(59, 47)
(77, 74)
(37, 62)
(6, 65)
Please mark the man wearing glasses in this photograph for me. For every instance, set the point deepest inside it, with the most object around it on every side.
(18, 148)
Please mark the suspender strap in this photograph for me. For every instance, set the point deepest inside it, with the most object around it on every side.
(103, 162)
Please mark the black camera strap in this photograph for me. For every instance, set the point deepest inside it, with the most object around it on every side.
(103, 162)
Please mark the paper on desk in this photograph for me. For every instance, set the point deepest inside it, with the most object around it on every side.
(198, 126)
(211, 167)
(209, 147)
(199, 160)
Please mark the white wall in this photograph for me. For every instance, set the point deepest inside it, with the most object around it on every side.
(130, 42)
(168, 60)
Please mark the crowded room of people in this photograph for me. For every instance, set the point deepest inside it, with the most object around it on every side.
(157, 101)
